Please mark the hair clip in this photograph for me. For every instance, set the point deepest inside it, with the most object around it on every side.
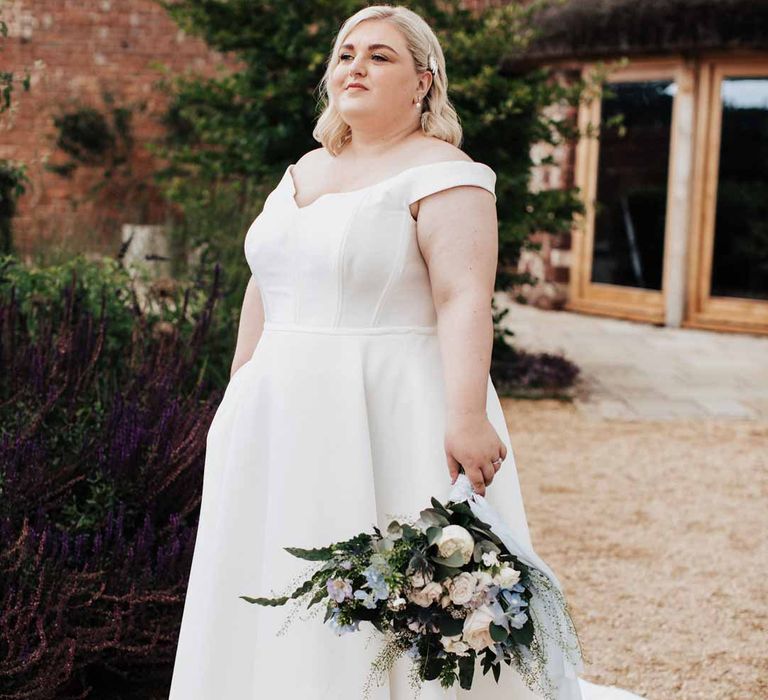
(432, 61)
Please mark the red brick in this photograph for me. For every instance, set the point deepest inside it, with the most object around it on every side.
(67, 35)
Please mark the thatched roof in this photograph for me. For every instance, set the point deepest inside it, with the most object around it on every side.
(607, 28)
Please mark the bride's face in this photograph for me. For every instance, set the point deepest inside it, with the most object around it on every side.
(374, 55)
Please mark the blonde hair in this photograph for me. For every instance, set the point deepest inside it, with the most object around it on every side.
(438, 117)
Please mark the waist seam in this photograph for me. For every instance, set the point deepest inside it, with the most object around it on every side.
(347, 330)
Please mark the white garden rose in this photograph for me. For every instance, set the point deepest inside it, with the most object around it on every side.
(507, 577)
(455, 538)
(454, 645)
(462, 588)
(427, 595)
(476, 628)
(483, 578)
(490, 558)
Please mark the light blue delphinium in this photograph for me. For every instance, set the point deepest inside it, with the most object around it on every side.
(517, 621)
(339, 629)
(368, 598)
(515, 614)
(376, 582)
(380, 564)
(514, 600)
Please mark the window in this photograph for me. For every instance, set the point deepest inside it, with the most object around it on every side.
(631, 198)
(740, 259)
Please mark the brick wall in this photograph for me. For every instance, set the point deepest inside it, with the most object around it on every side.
(76, 51)
(551, 264)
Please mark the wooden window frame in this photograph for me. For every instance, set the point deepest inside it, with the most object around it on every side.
(684, 299)
(704, 310)
(600, 297)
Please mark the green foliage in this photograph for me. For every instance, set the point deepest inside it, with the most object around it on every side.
(13, 178)
(7, 78)
(101, 140)
(12, 175)
(39, 289)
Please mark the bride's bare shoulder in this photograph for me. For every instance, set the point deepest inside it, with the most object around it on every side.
(315, 158)
(314, 154)
(434, 150)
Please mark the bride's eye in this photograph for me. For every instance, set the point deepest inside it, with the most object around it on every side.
(376, 55)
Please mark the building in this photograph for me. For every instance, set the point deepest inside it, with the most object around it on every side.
(676, 197)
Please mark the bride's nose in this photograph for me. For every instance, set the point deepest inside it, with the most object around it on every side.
(356, 68)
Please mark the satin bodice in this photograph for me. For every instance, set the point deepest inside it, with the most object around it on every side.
(351, 259)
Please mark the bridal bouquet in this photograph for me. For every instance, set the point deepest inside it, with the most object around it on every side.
(446, 590)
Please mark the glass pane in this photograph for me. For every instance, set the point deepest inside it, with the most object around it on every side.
(740, 257)
(632, 183)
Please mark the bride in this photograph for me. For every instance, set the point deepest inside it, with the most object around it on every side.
(360, 383)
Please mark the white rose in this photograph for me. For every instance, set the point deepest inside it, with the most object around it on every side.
(427, 595)
(476, 628)
(462, 588)
(455, 538)
(507, 577)
(483, 578)
(490, 558)
(454, 645)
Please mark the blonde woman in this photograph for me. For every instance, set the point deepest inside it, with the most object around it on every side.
(360, 383)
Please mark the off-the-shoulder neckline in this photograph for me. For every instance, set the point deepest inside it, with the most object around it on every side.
(292, 184)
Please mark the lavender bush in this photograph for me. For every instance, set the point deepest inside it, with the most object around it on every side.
(104, 411)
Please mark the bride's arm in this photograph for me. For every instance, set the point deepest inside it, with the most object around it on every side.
(458, 237)
(250, 327)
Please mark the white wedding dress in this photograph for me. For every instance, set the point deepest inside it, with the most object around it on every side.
(335, 423)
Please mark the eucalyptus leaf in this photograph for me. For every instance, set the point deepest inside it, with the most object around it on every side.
(432, 517)
(524, 635)
(463, 509)
(440, 508)
(498, 633)
(433, 534)
(456, 559)
(443, 572)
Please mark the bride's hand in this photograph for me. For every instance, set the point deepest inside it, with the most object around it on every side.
(473, 443)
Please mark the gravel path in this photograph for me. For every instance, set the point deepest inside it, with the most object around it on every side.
(658, 533)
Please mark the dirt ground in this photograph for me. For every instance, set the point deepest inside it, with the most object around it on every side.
(658, 531)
